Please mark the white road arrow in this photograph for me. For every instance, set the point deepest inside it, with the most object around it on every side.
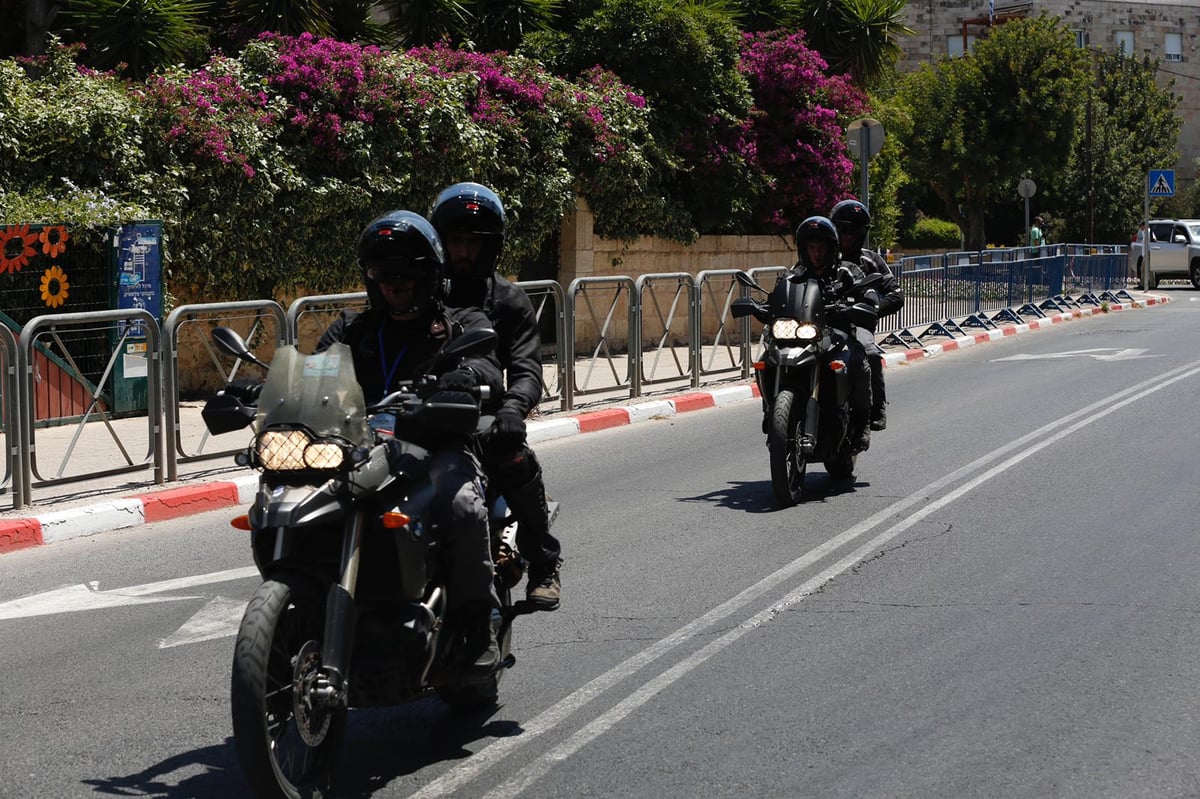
(87, 596)
(220, 618)
(1101, 354)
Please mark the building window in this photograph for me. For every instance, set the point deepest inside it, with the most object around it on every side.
(1174, 47)
(1081, 39)
(954, 45)
(1124, 42)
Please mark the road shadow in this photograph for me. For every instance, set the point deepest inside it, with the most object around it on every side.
(756, 496)
(386, 744)
(381, 745)
(218, 777)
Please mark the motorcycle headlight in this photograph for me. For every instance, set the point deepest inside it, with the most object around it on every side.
(793, 330)
(296, 450)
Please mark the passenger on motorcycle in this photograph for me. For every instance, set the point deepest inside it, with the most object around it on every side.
(817, 246)
(470, 219)
(403, 265)
(853, 221)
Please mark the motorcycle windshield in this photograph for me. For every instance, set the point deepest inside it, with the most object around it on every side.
(317, 391)
(795, 299)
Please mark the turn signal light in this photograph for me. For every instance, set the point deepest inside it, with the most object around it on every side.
(760, 365)
(241, 522)
(394, 520)
(837, 366)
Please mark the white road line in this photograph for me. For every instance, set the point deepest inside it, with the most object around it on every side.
(1029, 444)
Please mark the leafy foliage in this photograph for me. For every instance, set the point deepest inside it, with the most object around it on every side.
(138, 36)
(1130, 126)
(857, 37)
(933, 234)
(986, 121)
(683, 58)
(798, 129)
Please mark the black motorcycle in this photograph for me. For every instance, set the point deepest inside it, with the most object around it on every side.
(803, 376)
(352, 608)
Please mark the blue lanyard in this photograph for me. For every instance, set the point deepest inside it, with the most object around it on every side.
(388, 374)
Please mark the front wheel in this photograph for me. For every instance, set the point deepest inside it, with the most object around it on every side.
(1195, 274)
(286, 743)
(788, 464)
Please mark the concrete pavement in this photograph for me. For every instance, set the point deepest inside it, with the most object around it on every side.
(208, 479)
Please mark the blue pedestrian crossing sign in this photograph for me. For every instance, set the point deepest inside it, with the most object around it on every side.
(1162, 182)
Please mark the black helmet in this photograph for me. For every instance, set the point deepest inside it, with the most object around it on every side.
(853, 216)
(403, 242)
(816, 228)
(474, 210)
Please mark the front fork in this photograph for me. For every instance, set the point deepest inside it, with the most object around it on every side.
(812, 414)
(341, 618)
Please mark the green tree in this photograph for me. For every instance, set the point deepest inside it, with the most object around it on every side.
(1129, 126)
(858, 37)
(683, 58)
(503, 24)
(1006, 112)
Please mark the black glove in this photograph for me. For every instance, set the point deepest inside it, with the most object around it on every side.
(462, 380)
(245, 390)
(509, 427)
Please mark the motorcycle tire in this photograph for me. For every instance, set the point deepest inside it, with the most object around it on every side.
(278, 757)
(483, 693)
(841, 466)
(788, 464)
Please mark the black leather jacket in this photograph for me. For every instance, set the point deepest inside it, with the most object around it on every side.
(519, 349)
(891, 297)
(388, 352)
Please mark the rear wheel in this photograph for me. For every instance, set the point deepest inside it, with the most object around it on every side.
(287, 744)
(788, 464)
(1194, 274)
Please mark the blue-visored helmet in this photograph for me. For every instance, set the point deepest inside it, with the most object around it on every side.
(403, 243)
(816, 228)
(472, 209)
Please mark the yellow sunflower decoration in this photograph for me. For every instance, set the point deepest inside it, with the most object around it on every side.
(54, 240)
(17, 246)
(55, 288)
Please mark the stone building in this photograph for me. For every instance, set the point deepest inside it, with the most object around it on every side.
(1167, 30)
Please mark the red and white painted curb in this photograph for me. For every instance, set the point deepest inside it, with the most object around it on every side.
(171, 503)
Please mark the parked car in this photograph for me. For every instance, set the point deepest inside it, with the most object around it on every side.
(1174, 251)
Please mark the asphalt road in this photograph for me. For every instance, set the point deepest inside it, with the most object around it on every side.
(1004, 604)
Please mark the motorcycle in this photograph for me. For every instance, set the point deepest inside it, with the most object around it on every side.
(803, 376)
(352, 608)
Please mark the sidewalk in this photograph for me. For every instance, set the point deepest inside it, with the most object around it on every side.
(208, 479)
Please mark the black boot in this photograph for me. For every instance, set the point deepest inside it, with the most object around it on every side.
(479, 655)
(859, 433)
(879, 418)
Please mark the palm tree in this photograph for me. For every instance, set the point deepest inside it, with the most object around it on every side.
(502, 24)
(140, 35)
(857, 37)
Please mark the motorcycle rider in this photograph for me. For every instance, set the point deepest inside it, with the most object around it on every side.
(406, 323)
(471, 220)
(819, 255)
(853, 221)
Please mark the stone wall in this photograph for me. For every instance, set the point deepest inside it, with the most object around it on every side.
(583, 254)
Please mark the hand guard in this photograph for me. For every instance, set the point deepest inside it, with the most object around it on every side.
(245, 390)
(462, 380)
(509, 427)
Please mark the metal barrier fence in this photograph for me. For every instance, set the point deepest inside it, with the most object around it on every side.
(121, 323)
(10, 419)
(611, 335)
